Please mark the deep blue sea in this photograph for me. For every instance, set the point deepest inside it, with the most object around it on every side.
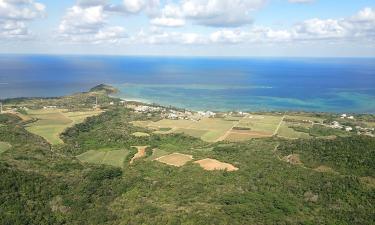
(248, 84)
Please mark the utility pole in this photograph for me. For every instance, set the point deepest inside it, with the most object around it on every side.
(1, 107)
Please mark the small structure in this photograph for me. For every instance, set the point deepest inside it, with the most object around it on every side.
(348, 129)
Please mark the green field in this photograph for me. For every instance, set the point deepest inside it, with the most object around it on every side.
(218, 129)
(52, 122)
(140, 134)
(208, 129)
(106, 157)
(261, 123)
(287, 132)
(4, 146)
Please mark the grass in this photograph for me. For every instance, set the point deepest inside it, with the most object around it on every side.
(208, 129)
(4, 146)
(192, 132)
(140, 134)
(287, 132)
(107, 157)
(156, 153)
(263, 123)
(52, 122)
(213, 129)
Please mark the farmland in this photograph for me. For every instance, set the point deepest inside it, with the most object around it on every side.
(106, 157)
(4, 146)
(233, 129)
(52, 122)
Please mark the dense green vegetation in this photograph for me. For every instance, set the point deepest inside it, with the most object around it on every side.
(44, 184)
(352, 156)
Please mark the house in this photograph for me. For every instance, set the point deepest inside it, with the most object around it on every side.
(336, 125)
(348, 129)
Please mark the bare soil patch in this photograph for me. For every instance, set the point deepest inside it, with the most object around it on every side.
(175, 159)
(140, 154)
(213, 164)
(293, 159)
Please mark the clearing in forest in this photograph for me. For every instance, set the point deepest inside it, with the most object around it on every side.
(4, 146)
(52, 122)
(140, 154)
(293, 159)
(175, 159)
(107, 157)
(140, 134)
(213, 164)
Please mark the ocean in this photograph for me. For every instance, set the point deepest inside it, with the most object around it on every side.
(217, 84)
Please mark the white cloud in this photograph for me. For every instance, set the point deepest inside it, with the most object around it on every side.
(229, 36)
(171, 16)
(359, 27)
(215, 13)
(221, 13)
(86, 22)
(128, 7)
(167, 22)
(14, 16)
(160, 37)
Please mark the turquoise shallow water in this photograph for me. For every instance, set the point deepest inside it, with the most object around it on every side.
(254, 84)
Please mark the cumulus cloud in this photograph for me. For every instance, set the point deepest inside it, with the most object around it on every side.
(128, 7)
(159, 37)
(14, 16)
(221, 13)
(214, 13)
(171, 16)
(358, 27)
(87, 22)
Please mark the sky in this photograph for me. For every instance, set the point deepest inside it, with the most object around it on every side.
(250, 28)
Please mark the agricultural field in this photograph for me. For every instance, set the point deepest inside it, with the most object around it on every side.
(286, 131)
(52, 122)
(213, 164)
(157, 153)
(218, 129)
(106, 157)
(4, 146)
(175, 159)
(140, 134)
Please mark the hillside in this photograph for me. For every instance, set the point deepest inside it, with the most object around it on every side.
(104, 88)
(300, 175)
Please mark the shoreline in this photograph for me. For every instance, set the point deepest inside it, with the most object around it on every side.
(150, 102)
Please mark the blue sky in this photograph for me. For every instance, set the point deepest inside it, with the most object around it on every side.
(318, 28)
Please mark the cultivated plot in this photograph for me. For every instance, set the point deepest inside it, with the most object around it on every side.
(175, 159)
(4, 146)
(107, 157)
(213, 164)
(52, 122)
